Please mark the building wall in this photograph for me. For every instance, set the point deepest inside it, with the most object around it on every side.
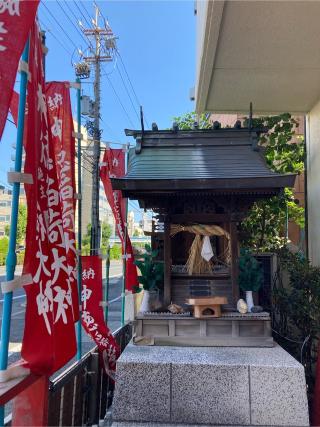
(313, 173)
(5, 209)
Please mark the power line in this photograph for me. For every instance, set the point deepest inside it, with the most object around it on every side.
(126, 89)
(88, 23)
(84, 7)
(56, 38)
(119, 100)
(130, 82)
(69, 19)
(110, 130)
(67, 35)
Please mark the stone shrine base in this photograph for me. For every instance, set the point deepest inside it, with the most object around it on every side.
(209, 385)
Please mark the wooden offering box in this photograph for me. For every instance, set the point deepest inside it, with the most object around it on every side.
(207, 307)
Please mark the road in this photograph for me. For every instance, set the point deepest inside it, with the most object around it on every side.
(19, 304)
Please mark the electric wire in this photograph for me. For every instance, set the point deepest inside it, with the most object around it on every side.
(130, 82)
(84, 8)
(122, 79)
(62, 29)
(88, 23)
(10, 121)
(56, 38)
(72, 23)
(119, 100)
(127, 91)
(110, 128)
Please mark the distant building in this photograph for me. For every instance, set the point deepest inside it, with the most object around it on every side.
(5, 208)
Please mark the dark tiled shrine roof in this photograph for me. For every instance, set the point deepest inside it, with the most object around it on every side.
(199, 159)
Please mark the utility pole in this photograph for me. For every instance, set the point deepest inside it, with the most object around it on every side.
(102, 42)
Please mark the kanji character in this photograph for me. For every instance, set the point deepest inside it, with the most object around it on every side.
(62, 306)
(42, 266)
(87, 318)
(44, 307)
(12, 6)
(42, 105)
(56, 128)
(85, 295)
(58, 265)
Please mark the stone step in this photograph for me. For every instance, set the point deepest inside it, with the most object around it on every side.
(210, 386)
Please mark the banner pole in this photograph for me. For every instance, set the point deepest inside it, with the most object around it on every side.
(11, 259)
(123, 299)
(106, 288)
(79, 327)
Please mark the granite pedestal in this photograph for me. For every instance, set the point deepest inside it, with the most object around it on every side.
(211, 386)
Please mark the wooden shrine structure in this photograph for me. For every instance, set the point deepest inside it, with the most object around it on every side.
(199, 180)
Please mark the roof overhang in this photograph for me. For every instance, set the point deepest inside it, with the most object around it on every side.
(234, 185)
(264, 52)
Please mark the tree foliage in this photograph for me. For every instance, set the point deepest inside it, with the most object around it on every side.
(187, 121)
(106, 232)
(21, 225)
(296, 309)
(264, 229)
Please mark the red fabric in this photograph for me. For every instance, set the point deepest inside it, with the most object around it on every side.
(114, 167)
(16, 18)
(61, 125)
(49, 336)
(92, 312)
(14, 106)
(316, 396)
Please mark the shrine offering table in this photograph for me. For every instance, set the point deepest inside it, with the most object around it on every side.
(232, 329)
(211, 386)
(207, 307)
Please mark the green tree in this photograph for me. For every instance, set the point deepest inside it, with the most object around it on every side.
(264, 227)
(4, 244)
(87, 237)
(187, 121)
(105, 233)
(21, 225)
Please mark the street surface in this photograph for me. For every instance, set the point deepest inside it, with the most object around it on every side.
(19, 304)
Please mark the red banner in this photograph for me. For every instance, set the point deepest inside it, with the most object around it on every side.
(61, 125)
(92, 312)
(114, 167)
(16, 18)
(49, 335)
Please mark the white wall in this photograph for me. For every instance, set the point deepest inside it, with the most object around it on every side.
(313, 174)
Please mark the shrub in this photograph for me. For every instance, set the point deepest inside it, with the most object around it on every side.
(296, 310)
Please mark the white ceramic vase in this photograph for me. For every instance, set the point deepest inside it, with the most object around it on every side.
(249, 300)
(145, 304)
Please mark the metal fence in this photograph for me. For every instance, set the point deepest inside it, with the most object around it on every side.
(81, 395)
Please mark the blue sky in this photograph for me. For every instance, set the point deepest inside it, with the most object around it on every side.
(157, 45)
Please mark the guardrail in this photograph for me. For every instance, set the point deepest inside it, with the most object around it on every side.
(80, 395)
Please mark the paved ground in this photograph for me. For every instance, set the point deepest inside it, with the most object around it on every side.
(19, 304)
